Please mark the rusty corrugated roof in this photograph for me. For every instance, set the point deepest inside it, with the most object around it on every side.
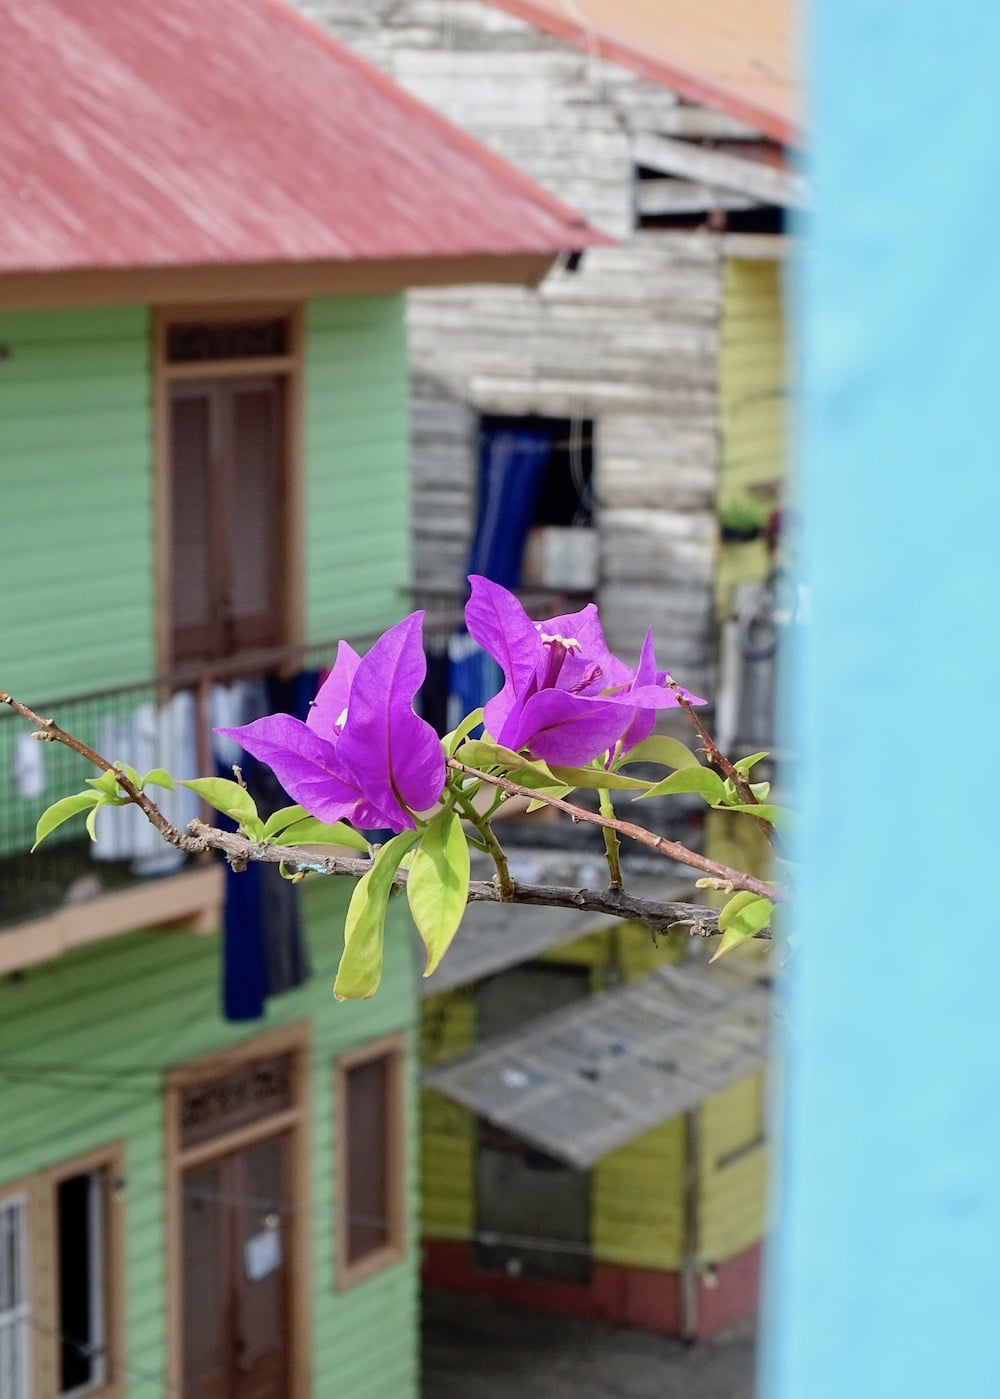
(736, 56)
(171, 133)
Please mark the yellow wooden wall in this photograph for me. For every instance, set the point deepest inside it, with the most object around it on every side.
(753, 401)
(637, 1191)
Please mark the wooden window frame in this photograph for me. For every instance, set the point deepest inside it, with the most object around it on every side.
(43, 1270)
(295, 1121)
(392, 1048)
(164, 372)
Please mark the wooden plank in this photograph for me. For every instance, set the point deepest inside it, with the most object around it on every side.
(763, 182)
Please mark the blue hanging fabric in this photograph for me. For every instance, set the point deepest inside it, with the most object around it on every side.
(264, 948)
(512, 462)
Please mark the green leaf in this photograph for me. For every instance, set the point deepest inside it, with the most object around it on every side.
(744, 765)
(599, 778)
(228, 797)
(131, 774)
(61, 811)
(107, 784)
(660, 749)
(92, 817)
(438, 887)
(527, 772)
(745, 915)
(776, 815)
(360, 967)
(704, 781)
(158, 777)
(313, 832)
(451, 740)
(732, 908)
(760, 790)
(287, 816)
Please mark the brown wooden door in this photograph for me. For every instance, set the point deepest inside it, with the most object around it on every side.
(227, 531)
(235, 1270)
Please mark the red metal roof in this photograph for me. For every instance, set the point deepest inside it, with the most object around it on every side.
(736, 56)
(170, 133)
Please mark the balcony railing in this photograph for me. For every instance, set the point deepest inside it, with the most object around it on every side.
(166, 722)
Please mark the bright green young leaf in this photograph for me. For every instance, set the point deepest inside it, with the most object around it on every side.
(760, 790)
(527, 772)
(61, 811)
(704, 781)
(752, 914)
(360, 969)
(313, 832)
(230, 798)
(131, 774)
(158, 777)
(660, 749)
(438, 887)
(451, 740)
(744, 765)
(107, 786)
(279, 820)
(776, 815)
(599, 778)
(733, 906)
(559, 792)
(92, 817)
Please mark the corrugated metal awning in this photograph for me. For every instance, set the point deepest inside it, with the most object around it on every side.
(495, 936)
(583, 1081)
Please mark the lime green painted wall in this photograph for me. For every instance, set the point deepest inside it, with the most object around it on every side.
(357, 426)
(107, 1021)
(76, 476)
(753, 404)
(76, 490)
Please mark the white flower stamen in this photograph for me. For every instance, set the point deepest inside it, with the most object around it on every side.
(568, 643)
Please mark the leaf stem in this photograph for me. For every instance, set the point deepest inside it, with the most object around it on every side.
(494, 849)
(612, 845)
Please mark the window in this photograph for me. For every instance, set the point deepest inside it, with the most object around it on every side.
(228, 393)
(15, 1309)
(371, 1159)
(60, 1278)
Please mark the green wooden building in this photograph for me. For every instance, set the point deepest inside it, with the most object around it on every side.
(211, 213)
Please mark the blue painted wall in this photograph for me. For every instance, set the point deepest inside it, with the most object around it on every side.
(885, 1273)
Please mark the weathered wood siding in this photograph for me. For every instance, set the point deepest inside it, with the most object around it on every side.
(76, 484)
(357, 494)
(630, 340)
(84, 1042)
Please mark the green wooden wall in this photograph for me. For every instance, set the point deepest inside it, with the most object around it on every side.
(357, 507)
(76, 483)
(76, 487)
(84, 1041)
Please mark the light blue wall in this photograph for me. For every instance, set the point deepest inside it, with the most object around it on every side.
(885, 1275)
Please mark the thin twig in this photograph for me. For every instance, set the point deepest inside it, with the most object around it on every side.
(715, 755)
(731, 878)
(48, 731)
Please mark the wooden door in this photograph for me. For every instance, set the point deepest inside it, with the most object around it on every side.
(235, 1271)
(228, 511)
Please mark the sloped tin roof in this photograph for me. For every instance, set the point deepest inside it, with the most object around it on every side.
(584, 1080)
(735, 56)
(187, 132)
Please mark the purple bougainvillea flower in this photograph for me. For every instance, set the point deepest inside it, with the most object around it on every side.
(566, 698)
(363, 755)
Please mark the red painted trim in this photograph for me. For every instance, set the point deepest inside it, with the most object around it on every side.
(642, 1297)
(734, 1294)
(692, 86)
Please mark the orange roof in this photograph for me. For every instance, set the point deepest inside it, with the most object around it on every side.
(736, 56)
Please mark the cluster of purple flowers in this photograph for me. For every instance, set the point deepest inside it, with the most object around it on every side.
(363, 755)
